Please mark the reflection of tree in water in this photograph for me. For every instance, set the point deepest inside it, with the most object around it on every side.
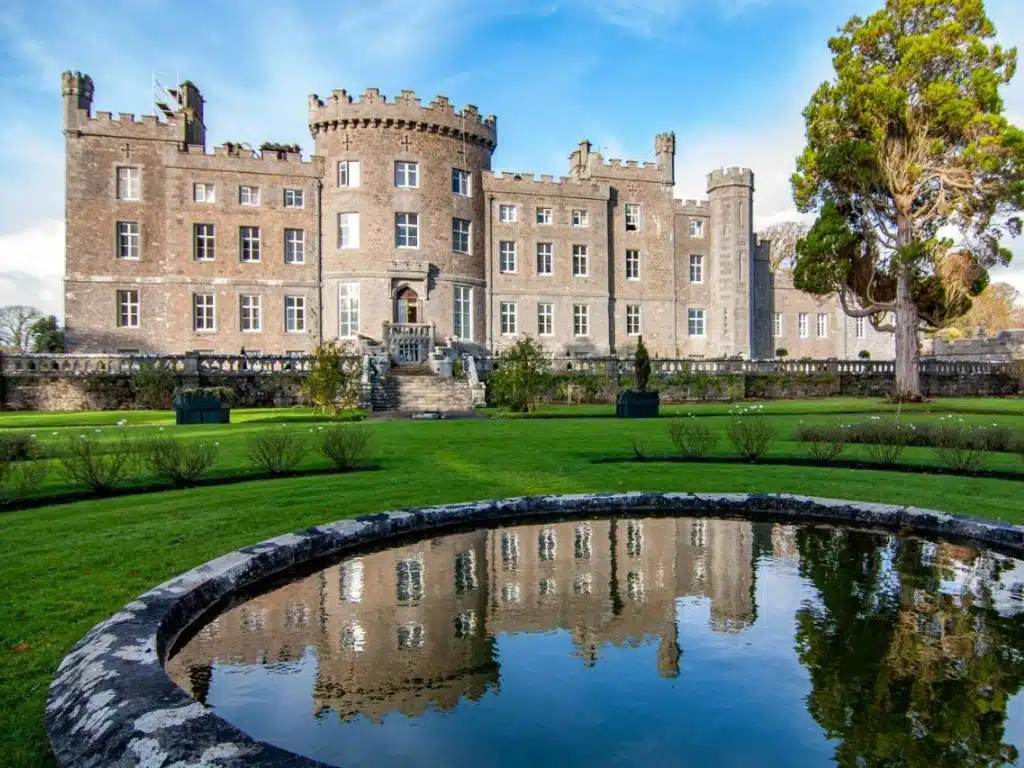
(901, 674)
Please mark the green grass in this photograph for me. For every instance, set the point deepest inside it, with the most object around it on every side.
(67, 567)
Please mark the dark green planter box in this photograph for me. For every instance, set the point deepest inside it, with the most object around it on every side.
(637, 405)
(201, 410)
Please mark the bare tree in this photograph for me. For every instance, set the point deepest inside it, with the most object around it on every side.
(783, 238)
(16, 323)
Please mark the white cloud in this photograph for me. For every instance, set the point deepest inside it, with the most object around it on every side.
(32, 267)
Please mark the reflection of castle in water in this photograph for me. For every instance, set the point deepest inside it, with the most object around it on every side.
(406, 628)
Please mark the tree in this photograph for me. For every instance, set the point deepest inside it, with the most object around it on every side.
(47, 335)
(783, 238)
(16, 326)
(520, 376)
(641, 366)
(905, 145)
(993, 309)
(333, 380)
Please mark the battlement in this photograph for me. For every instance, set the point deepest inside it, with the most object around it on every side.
(545, 185)
(236, 157)
(125, 125)
(692, 207)
(342, 110)
(725, 177)
(585, 163)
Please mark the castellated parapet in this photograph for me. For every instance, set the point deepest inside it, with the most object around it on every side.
(544, 186)
(232, 157)
(731, 177)
(341, 111)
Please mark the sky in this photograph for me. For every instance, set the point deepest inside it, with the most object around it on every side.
(730, 77)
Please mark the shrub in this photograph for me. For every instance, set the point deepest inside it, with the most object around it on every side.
(825, 443)
(782, 352)
(345, 444)
(885, 441)
(224, 394)
(520, 376)
(957, 448)
(333, 380)
(153, 386)
(19, 479)
(99, 465)
(692, 439)
(864, 355)
(639, 449)
(641, 366)
(751, 433)
(277, 451)
(18, 447)
(177, 462)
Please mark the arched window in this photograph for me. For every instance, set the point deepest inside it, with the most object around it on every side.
(407, 306)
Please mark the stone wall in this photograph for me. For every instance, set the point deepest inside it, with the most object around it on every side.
(1003, 347)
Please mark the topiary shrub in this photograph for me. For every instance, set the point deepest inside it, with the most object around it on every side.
(864, 355)
(781, 352)
(641, 366)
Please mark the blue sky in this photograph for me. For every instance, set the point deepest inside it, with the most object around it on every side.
(730, 77)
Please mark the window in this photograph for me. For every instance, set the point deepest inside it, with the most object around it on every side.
(545, 319)
(348, 173)
(348, 230)
(348, 310)
(352, 580)
(407, 174)
(547, 544)
(295, 314)
(204, 312)
(725, 321)
(128, 240)
(632, 319)
(294, 246)
(462, 318)
(409, 579)
(581, 542)
(822, 325)
(465, 624)
(128, 183)
(545, 258)
(248, 195)
(543, 215)
(777, 325)
(249, 243)
(696, 228)
(580, 319)
(802, 323)
(127, 309)
(634, 538)
(580, 218)
(695, 322)
(632, 217)
(546, 587)
(862, 328)
(353, 637)
(510, 551)
(460, 235)
(508, 214)
(461, 184)
(507, 256)
(696, 268)
(579, 261)
(407, 230)
(294, 198)
(465, 572)
(251, 315)
(204, 193)
(632, 265)
(508, 318)
(635, 585)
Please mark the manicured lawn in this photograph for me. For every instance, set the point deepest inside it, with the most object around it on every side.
(67, 567)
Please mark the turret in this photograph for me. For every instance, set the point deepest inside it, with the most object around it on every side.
(77, 90)
(731, 201)
(665, 152)
(191, 101)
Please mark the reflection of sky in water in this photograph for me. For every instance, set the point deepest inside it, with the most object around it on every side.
(740, 698)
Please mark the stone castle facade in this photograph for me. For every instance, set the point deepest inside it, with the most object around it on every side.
(397, 232)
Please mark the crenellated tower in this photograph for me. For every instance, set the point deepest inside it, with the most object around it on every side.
(731, 198)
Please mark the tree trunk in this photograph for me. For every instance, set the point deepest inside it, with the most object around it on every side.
(908, 353)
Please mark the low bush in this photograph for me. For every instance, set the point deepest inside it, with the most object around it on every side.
(639, 449)
(692, 439)
(19, 479)
(178, 462)
(957, 448)
(153, 386)
(345, 444)
(885, 441)
(18, 447)
(924, 435)
(99, 465)
(226, 395)
(827, 443)
(277, 451)
(750, 432)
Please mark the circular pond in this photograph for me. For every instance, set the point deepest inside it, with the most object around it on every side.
(632, 639)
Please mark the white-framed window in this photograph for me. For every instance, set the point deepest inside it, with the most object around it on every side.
(409, 579)
(348, 310)
(545, 258)
(348, 230)
(465, 572)
(511, 593)
(294, 198)
(461, 236)
(696, 228)
(407, 174)
(128, 240)
(632, 265)
(204, 312)
(725, 321)
(579, 260)
(507, 256)
(695, 322)
(545, 319)
(294, 246)
(128, 309)
(508, 214)
(581, 548)
(204, 193)
(204, 242)
(822, 325)
(547, 543)
(462, 182)
(352, 580)
(580, 218)
(634, 538)
(696, 268)
(580, 319)
(348, 173)
(251, 311)
(862, 328)
(508, 314)
(510, 550)
(249, 243)
(632, 217)
(465, 624)
(632, 319)
(248, 195)
(544, 216)
(407, 230)
(294, 314)
(802, 324)
(353, 637)
(777, 325)
(547, 587)
(462, 315)
(129, 183)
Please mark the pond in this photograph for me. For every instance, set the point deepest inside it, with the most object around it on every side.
(630, 641)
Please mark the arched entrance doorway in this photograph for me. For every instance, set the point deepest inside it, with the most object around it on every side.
(407, 306)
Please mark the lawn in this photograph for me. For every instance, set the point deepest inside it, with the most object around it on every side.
(67, 567)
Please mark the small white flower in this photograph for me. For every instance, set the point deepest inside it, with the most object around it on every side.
(161, 429)
(54, 434)
(32, 436)
(217, 444)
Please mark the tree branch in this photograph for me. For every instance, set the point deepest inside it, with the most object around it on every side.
(868, 311)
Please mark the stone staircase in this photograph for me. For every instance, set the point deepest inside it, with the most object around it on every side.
(416, 389)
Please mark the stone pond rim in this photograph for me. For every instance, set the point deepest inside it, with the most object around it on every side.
(112, 704)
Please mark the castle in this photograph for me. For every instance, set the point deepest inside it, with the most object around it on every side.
(396, 232)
